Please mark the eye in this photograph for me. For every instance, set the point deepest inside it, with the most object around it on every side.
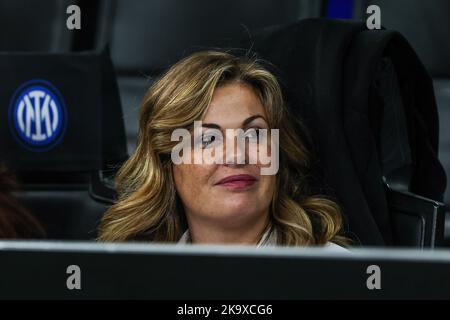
(208, 140)
(252, 134)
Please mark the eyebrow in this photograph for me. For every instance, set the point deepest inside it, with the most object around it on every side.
(245, 123)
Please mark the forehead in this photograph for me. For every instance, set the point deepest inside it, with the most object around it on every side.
(232, 103)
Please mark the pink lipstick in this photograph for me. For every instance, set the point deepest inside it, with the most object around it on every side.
(238, 181)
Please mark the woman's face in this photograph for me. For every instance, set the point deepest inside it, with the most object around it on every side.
(228, 194)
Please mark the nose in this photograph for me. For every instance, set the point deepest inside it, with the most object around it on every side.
(235, 153)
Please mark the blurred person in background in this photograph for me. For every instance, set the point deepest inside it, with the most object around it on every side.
(15, 220)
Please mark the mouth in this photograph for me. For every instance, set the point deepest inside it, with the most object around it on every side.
(239, 181)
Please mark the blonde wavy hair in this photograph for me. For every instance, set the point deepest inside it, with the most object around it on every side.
(148, 207)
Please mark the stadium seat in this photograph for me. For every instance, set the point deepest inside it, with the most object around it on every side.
(67, 182)
(370, 106)
(426, 29)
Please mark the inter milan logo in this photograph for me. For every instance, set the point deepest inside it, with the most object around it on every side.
(38, 115)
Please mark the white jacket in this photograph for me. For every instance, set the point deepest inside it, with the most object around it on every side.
(269, 238)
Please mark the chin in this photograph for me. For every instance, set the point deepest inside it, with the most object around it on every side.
(239, 207)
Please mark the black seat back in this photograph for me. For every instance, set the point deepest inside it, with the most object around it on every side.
(66, 181)
(329, 69)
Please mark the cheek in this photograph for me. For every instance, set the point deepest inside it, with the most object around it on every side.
(268, 184)
(191, 181)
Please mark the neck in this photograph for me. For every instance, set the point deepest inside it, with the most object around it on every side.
(226, 233)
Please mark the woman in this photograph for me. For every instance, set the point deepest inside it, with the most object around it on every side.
(232, 202)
